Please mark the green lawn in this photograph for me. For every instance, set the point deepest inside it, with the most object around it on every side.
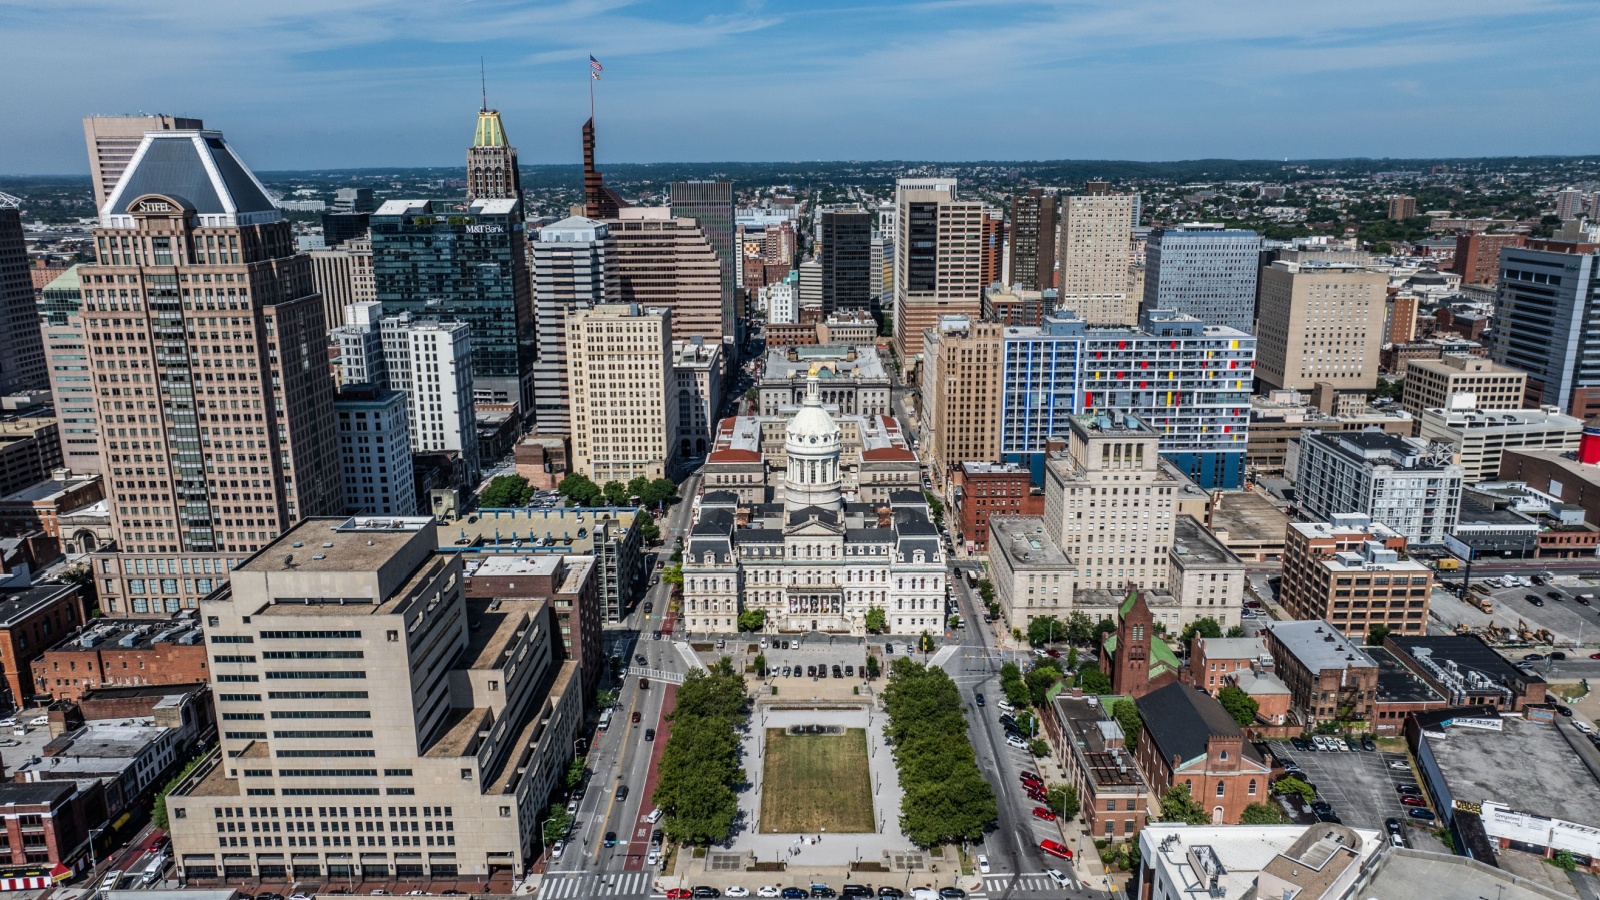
(816, 782)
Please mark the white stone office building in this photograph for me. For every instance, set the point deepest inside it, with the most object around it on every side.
(374, 724)
(813, 562)
(1408, 484)
(1482, 436)
(619, 372)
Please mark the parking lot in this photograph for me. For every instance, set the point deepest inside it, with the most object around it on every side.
(1359, 784)
(1569, 620)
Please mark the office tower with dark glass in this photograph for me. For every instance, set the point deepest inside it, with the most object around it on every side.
(846, 260)
(468, 265)
(216, 400)
(112, 141)
(1033, 240)
(21, 344)
(574, 267)
(1547, 319)
(492, 162)
(710, 204)
(1206, 271)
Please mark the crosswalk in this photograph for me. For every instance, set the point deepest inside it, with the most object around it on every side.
(560, 886)
(1036, 882)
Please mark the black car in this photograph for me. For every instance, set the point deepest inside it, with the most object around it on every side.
(622, 793)
(655, 836)
(1557, 656)
(857, 890)
(1368, 744)
(951, 893)
(849, 671)
(649, 607)
(1392, 824)
(893, 893)
(822, 890)
(811, 671)
(1299, 744)
(1409, 790)
(979, 698)
(649, 734)
(838, 672)
(1321, 806)
(704, 891)
(1535, 599)
(1007, 720)
(611, 839)
(1417, 812)
(641, 660)
(1328, 817)
(1565, 711)
(1555, 595)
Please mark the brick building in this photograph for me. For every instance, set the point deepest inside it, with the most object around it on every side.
(40, 506)
(1467, 671)
(1190, 739)
(1212, 660)
(122, 653)
(46, 826)
(1477, 258)
(1349, 572)
(1093, 752)
(1329, 677)
(1136, 658)
(31, 620)
(983, 489)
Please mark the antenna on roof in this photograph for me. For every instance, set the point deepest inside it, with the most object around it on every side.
(483, 78)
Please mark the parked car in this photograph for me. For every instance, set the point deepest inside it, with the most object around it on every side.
(1557, 656)
(1301, 745)
(983, 864)
(679, 894)
(1409, 800)
(767, 890)
(1424, 814)
(1409, 790)
(893, 893)
(1400, 764)
(737, 891)
(1368, 744)
(1056, 849)
(1583, 726)
(705, 891)
(1040, 812)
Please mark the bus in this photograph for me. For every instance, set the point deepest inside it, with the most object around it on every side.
(605, 719)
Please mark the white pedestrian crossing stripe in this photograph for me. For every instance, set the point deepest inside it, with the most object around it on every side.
(1027, 883)
(616, 884)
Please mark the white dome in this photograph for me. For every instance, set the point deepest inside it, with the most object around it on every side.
(812, 426)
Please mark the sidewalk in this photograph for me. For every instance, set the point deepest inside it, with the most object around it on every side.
(1085, 858)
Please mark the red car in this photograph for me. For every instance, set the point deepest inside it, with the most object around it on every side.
(1031, 779)
(1040, 812)
(679, 894)
(1036, 795)
(1054, 848)
(1413, 801)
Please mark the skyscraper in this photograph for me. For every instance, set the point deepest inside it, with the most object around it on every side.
(599, 201)
(491, 161)
(666, 261)
(938, 266)
(710, 204)
(1033, 239)
(375, 451)
(574, 267)
(619, 369)
(21, 345)
(112, 141)
(71, 378)
(846, 259)
(1205, 271)
(464, 265)
(1320, 323)
(217, 427)
(1096, 234)
(1546, 316)
(992, 251)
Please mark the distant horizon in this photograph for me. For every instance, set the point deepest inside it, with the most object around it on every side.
(303, 85)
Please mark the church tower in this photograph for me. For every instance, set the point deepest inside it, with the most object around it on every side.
(812, 445)
(1130, 674)
(492, 161)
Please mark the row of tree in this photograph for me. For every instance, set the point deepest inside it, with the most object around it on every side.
(700, 768)
(945, 797)
(647, 491)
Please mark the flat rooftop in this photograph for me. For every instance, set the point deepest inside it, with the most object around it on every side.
(1247, 517)
(45, 490)
(531, 531)
(1192, 544)
(496, 624)
(1447, 875)
(1319, 645)
(1396, 683)
(506, 564)
(1023, 541)
(359, 544)
(131, 634)
(1527, 766)
(18, 606)
(1467, 653)
(1243, 850)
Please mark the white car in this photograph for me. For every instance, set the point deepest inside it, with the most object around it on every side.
(1016, 742)
(8, 722)
(1058, 876)
(39, 720)
(558, 848)
(983, 864)
(1005, 706)
(924, 894)
(767, 890)
(654, 817)
(1583, 726)
(736, 891)
(1397, 764)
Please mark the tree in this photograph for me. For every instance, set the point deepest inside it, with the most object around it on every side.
(1072, 659)
(638, 487)
(1062, 799)
(1376, 635)
(1080, 628)
(925, 642)
(505, 492)
(761, 664)
(555, 827)
(1564, 861)
(752, 620)
(1178, 806)
(1103, 628)
(83, 577)
(1297, 788)
(699, 765)
(658, 492)
(575, 772)
(936, 507)
(1011, 683)
(604, 699)
(1236, 631)
(945, 799)
(1262, 814)
(1044, 629)
(649, 531)
(673, 574)
(1039, 747)
(1126, 712)
(616, 493)
(1204, 627)
(1389, 390)
(1039, 683)
(579, 489)
(876, 620)
(1241, 706)
(1092, 680)
(872, 666)
(986, 590)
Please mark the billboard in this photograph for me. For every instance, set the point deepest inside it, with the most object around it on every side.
(1457, 548)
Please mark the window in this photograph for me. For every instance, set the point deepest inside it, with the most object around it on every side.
(1222, 788)
(1252, 790)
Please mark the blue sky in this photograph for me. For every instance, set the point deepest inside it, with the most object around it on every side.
(349, 83)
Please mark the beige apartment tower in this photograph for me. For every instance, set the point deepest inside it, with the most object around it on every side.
(1320, 324)
(1430, 383)
(961, 377)
(938, 259)
(112, 141)
(619, 372)
(207, 340)
(374, 723)
(1095, 255)
(666, 261)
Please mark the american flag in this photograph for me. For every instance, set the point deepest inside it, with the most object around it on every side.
(595, 68)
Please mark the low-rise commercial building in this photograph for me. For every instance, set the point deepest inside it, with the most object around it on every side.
(40, 507)
(1466, 671)
(1094, 754)
(123, 653)
(1205, 862)
(1212, 660)
(1350, 572)
(1330, 678)
(47, 828)
(32, 619)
